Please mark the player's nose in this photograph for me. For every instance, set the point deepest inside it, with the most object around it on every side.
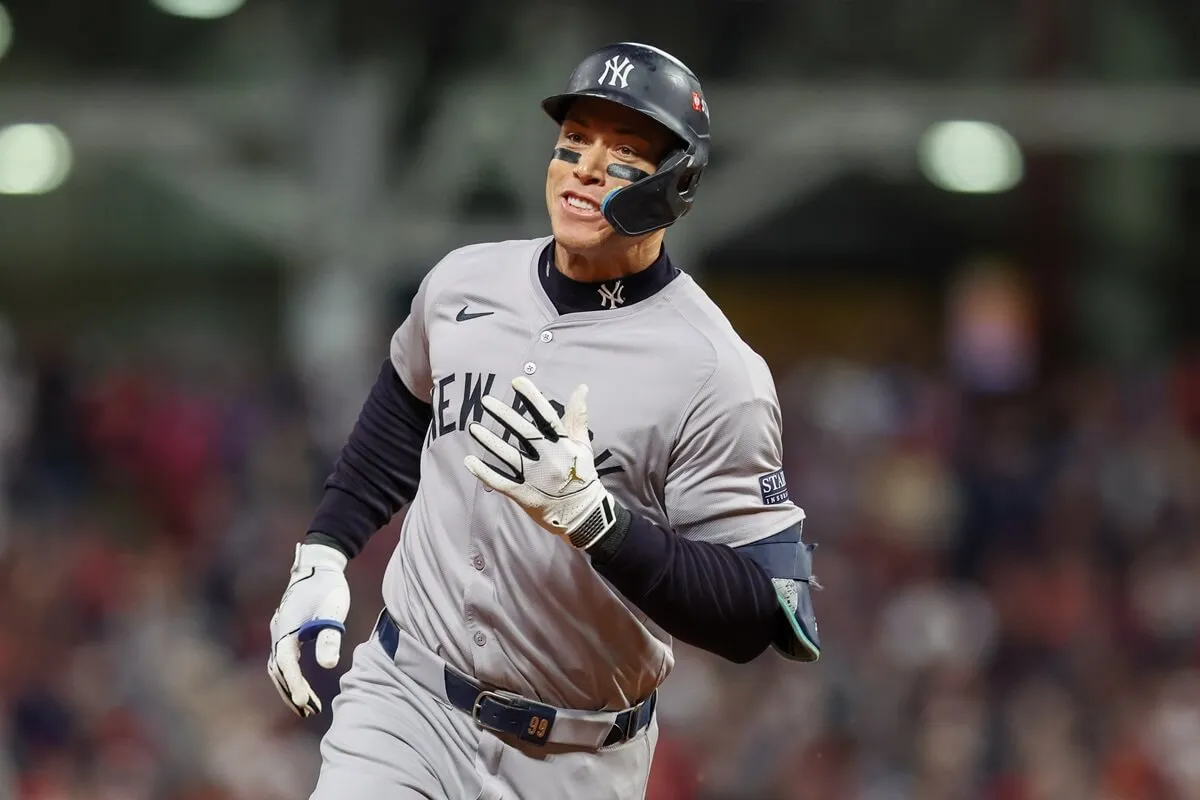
(591, 165)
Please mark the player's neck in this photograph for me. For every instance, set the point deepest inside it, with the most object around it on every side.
(607, 265)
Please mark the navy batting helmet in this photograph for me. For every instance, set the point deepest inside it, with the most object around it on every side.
(657, 84)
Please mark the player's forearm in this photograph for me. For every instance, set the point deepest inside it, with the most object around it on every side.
(378, 469)
(704, 594)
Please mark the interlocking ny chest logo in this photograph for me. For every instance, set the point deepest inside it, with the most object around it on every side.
(616, 69)
(611, 298)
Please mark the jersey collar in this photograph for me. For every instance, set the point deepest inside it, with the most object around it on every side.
(572, 296)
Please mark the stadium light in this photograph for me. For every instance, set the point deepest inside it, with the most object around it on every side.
(199, 9)
(34, 159)
(6, 31)
(967, 156)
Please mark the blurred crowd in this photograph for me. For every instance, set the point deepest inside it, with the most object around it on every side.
(1009, 609)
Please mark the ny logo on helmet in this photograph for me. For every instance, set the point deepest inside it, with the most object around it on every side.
(616, 69)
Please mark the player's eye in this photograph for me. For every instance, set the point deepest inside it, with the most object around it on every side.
(574, 138)
(627, 152)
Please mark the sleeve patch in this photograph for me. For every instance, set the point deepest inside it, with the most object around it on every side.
(773, 488)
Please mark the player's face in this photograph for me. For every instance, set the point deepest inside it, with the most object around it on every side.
(602, 133)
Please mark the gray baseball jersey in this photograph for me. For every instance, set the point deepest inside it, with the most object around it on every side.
(686, 431)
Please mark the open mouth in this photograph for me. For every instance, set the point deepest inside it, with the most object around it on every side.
(580, 206)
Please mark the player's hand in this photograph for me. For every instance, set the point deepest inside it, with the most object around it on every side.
(557, 484)
(315, 604)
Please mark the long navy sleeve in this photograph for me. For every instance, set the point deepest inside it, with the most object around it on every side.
(704, 594)
(378, 469)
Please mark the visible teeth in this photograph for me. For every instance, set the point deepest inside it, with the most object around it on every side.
(576, 202)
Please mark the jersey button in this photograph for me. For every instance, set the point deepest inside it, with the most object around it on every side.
(530, 367)
(478, 562)
(547, 336)
(480, 639)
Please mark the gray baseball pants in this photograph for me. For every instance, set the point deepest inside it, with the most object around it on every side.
(391, 739)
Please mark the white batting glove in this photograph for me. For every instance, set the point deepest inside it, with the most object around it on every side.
(557, 486)
(315, 604)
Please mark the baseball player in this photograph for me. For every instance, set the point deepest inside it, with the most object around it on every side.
(592, 464)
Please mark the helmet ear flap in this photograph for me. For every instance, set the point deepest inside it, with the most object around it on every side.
(689, 181)
(655, 201)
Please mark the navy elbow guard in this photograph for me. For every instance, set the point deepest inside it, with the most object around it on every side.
(787, 560)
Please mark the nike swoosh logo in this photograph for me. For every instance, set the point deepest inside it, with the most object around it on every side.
(463, 316)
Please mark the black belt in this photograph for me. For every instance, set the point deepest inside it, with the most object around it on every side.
(505, 712)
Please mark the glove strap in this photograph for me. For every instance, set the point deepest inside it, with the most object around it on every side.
(595, 525)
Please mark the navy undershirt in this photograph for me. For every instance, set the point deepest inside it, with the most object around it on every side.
(571, 296)
(706, 595)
